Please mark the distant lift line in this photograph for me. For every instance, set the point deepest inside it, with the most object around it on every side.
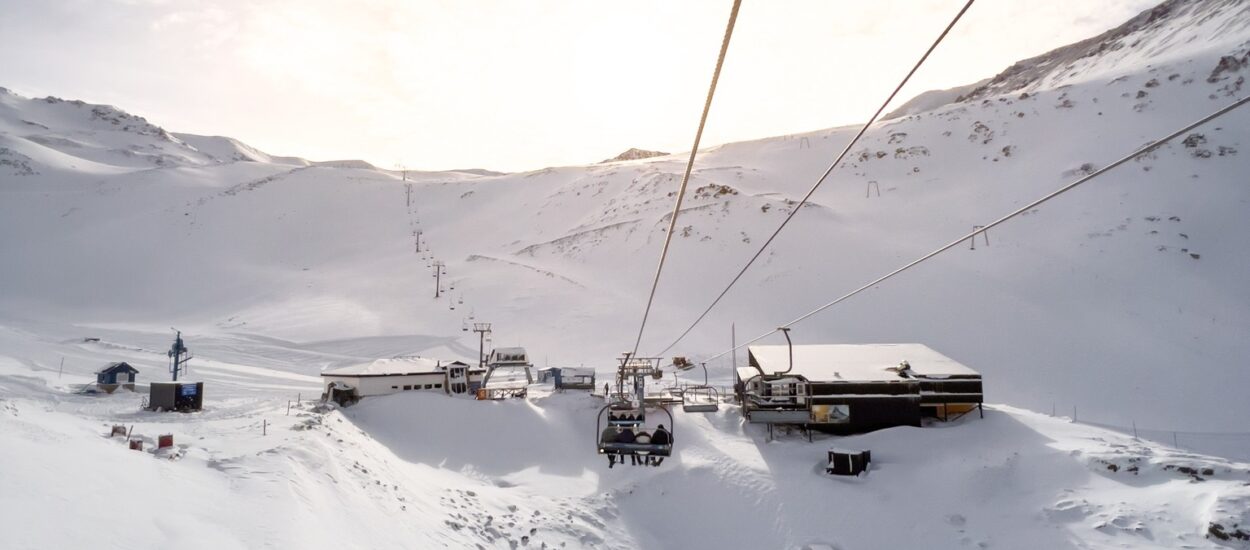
(798, 206)
(981, 229)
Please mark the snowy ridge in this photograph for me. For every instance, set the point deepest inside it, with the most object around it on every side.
(1167, 32)
(634, 153)
(224, 150)
(932, 99)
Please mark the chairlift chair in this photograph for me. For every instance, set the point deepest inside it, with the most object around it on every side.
(701, 398)
(627, 415)
(627, 411)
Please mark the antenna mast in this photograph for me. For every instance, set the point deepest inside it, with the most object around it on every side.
(178, 356)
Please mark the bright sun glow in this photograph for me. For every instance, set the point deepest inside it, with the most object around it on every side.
(512, 85)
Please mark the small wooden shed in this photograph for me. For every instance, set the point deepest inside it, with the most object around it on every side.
(116, 375)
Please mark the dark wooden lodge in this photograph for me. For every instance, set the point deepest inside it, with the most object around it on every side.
(854, 388)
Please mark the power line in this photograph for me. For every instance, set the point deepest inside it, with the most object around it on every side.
(823, 176)
(981, 229)
(685, 179)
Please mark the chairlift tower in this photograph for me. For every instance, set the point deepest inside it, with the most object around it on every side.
(636, 370)
(178, 356)
(984, 234)
(482, 329)
(439, 271)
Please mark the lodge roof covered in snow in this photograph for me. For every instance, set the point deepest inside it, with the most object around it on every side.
(855, 362)
(120, 366)
(396, 366)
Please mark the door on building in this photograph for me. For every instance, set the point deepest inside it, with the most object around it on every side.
(457, 380)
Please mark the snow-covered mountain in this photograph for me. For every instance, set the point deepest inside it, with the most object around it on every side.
(1123, 302)
(634, 153)
(1175, 29)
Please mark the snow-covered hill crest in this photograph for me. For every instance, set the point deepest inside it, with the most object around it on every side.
(1169, 32)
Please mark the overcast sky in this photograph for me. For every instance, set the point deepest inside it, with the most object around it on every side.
(511, 85)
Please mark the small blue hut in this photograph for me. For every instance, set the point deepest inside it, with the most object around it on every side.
(115, 375)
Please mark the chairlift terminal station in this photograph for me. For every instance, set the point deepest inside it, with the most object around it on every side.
(854, 388)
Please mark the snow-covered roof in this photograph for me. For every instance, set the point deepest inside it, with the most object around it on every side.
(112, 366)
(858, 362)
(745, 373)
(389, 367)
(577, 371)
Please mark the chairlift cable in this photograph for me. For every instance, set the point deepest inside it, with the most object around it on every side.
(798, 206)
(685, 179)
(982, 229)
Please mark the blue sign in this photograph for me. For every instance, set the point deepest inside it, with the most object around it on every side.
(188, 390)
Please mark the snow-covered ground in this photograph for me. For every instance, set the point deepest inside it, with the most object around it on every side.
(1124, 302)
(424, 470)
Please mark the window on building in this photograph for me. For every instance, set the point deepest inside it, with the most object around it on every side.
(831, 414)
(394, 387)
(438, 386)
(406, 388)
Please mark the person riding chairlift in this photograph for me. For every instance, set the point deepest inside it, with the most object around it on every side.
(610, 434)
(618, 435)
(643, 438)
(660, 437)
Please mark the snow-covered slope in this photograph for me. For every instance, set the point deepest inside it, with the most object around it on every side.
(1123, 302)
(933, 99)
(1172, 31)
(224, 150)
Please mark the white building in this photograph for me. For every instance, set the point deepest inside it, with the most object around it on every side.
(570, 378)
(386, 376)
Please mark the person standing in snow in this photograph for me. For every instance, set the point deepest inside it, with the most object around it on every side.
(661, 437)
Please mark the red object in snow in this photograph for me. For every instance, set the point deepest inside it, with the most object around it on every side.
(136, 444)
(163, 441)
